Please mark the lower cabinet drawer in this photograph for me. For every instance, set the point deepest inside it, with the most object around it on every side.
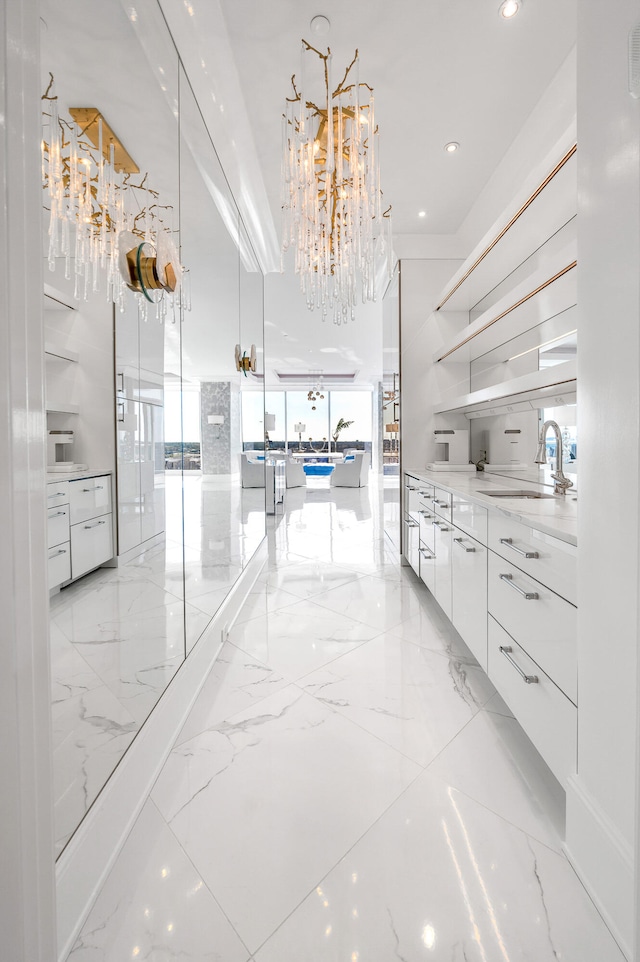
(547, 716)
(59, 564)
(543, 623)
(57, 525)
(428, 567)
(469, 593)
(89, 498)
(91, 544)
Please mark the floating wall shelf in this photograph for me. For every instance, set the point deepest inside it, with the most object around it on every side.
(553, 383)
(60, 354)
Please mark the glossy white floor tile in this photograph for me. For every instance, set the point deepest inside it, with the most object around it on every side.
(348, 786)
(167, 913)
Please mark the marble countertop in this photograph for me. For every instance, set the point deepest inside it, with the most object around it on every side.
(557, 516)
(53, 476)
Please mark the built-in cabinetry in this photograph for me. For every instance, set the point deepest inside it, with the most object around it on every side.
(79, 525)
(510, 591)
(139, 352)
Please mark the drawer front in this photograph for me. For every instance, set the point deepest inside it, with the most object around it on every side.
(543, 623)
(470, 517)
(57, 493)
(554, 563)
(91, 544)
(411, 496)
(89, 498)
(59, 564)
(441, 503)
(411, 539)
(469, 593)
(428, 567)
(425, 494)
(549, 719)
(443, 534)
(427, 517)
(57, 525)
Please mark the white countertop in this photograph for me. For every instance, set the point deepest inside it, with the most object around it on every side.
(54, 476)
(557, 516)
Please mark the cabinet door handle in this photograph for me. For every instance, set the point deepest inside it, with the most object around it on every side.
(528, 679)
(440, 504)
(97, 487)
(427, 554)
(520, 551)
(95, 524)
(527, 595)
(412, 524)
(427, 514)
(121, 411)
(58, 514)
(121, 376)
(411, 488)
(59, 551)
(58, 494)
(439, 525)
(458, 541)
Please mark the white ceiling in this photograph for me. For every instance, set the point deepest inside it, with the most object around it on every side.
(441, 70)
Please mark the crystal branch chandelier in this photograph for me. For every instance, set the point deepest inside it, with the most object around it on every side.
(109, 230)
(332, 202)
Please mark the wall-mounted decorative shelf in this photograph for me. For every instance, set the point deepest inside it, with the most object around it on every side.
(554, 384)
(545, 204)
(62, 408)
(547, 292)
(60, 354)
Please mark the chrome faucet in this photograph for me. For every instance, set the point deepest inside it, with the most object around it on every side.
(561, 483)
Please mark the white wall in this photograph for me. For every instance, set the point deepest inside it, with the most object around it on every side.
(27, 919)
(602, 817)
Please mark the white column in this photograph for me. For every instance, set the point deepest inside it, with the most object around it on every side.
(602, 801)
(27, 909)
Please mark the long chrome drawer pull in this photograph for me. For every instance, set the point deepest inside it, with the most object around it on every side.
(527, 595)
(458, 541)
(525, 554)
(97, 487)
(412, 524)
(59, 551)
(58, 514)
(427, 554)
(529, 679)
(95, 524)
(427, 514)
(411, 488)
(58, 494)
(440, 504)
(440, 525)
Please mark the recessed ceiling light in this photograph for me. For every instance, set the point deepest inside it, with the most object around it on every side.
(509, 8)
(422, 213)
(451, 147)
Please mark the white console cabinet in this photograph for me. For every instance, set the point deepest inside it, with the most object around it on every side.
(80, 527)
(509, 590)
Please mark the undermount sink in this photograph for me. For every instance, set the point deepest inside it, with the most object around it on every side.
(516, 494)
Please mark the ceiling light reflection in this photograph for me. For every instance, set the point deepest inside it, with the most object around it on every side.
(429, 936)
(509, 8)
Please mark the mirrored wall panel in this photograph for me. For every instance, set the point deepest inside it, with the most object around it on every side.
(150, 285)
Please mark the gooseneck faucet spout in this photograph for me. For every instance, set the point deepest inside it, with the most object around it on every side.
(561, 482)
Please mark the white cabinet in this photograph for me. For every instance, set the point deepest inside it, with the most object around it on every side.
(140, 473)
(412, 543)
(58, 535)
(469, 592)
(91, 523)
(547, 716)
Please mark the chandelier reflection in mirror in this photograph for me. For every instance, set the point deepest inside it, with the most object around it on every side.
(108, 229)
(332, 202)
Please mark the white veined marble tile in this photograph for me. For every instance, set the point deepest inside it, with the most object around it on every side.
(307, 578)
(374, 601)
(70, 673)
(430, 628)
(77, 609)
(411, 698)
(492, 761)
(440, 877)
(236, 682)
(156, 906)
(266, 803)
(299, 638)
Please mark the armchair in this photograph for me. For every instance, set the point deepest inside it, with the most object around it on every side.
(352, 474)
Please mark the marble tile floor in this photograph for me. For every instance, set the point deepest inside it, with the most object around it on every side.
(349, 787)
(118, 635)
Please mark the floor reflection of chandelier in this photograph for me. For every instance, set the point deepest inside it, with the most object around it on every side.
(332, 201)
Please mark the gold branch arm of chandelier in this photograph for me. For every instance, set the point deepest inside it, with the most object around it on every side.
(45, 95)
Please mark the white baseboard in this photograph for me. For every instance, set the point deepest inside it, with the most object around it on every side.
(603, 860)
(89, 856)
